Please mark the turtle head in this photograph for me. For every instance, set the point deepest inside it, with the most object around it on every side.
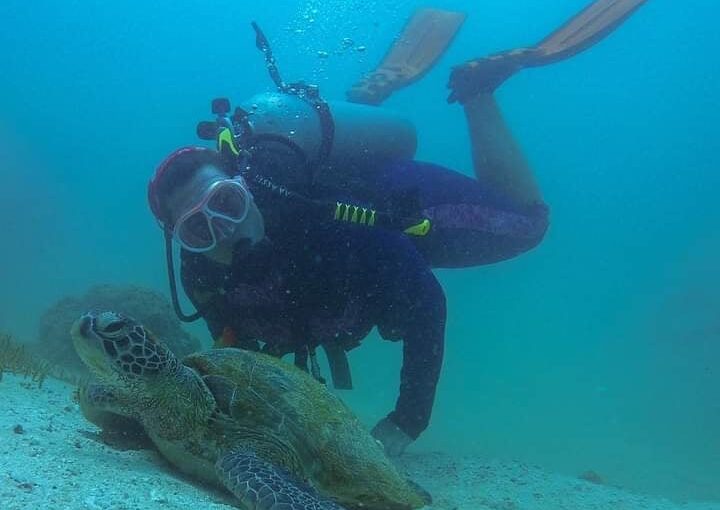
(113, 345)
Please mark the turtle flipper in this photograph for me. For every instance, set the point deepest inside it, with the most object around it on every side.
(102, 405)
(99, 396)
(260, 485)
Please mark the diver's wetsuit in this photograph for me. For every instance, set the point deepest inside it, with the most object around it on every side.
(321, 281)
(471, 224)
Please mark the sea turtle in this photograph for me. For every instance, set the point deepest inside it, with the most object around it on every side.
(267, 431)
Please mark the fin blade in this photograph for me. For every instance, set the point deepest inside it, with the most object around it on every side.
(586, 28)
(423, 40)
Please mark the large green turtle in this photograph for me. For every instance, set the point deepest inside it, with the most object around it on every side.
(265, 430)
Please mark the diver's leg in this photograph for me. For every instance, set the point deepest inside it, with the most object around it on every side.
(583, 30)
(497, 157)
(472, 222)
(260, 485)
(424, 39)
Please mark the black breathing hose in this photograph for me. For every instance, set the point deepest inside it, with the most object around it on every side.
(173, 285)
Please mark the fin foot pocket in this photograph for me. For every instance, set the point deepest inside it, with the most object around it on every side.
(260, 485)
(484, 75)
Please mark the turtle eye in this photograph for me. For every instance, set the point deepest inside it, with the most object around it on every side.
(114, 327)
(111, 324)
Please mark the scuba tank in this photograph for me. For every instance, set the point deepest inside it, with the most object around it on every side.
(338, 143)
(319, 153)
(364, 136)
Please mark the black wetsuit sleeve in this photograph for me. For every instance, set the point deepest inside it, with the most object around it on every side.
(423, 334)
(412, 309)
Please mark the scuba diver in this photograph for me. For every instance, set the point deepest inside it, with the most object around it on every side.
(310, 222)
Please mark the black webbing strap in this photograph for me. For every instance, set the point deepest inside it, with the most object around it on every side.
(327, 128)
(339, 365)
(263, 45)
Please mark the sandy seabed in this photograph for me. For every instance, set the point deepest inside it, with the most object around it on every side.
(51, 458)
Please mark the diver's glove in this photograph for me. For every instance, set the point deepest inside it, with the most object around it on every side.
(393, 439)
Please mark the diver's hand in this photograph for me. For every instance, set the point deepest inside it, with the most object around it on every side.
(393, 439)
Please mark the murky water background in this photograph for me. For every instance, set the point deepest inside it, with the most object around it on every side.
(599, 350)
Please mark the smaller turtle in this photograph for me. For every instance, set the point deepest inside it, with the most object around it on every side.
(265, 430)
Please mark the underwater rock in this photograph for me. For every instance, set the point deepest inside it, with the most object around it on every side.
(145, 305)
(592, 477)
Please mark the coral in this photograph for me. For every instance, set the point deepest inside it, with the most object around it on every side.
(146, 306)
(15, 359)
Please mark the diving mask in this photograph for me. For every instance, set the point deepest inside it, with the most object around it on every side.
(223, 207)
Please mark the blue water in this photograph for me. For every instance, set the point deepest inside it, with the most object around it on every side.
(598, 350)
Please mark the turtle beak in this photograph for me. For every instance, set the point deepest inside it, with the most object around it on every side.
(88, 346)
(85, 325)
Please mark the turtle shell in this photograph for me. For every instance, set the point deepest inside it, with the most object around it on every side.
(267, 400)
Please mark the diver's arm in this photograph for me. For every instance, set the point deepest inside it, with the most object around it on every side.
(416, 313)
(423, 346)
(384, 270)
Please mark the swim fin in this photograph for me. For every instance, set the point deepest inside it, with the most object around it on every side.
(422, 41)
(586, 28)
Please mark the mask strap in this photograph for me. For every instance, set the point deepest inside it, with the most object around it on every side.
(173, 285)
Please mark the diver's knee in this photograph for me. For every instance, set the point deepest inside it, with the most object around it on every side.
(540, 223)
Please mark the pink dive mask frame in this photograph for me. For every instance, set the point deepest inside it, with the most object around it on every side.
(173, 229)
(224, 205)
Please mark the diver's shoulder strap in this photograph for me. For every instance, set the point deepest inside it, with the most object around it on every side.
(339, 365)
(327, 132)
(306, 360)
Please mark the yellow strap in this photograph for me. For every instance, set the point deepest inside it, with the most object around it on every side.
(421, 229)
(225, 137)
